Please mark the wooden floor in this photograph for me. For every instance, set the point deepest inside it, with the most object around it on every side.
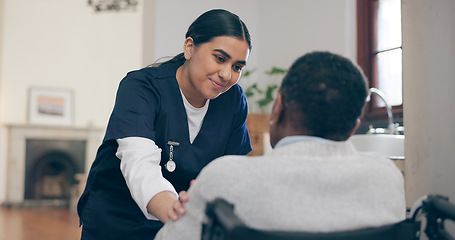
(38, 224)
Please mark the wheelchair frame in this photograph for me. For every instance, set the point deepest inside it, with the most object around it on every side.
(222, 224)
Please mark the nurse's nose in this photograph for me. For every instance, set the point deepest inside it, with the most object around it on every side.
(225, 72)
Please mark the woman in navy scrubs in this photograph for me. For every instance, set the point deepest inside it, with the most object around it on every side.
(168, 122)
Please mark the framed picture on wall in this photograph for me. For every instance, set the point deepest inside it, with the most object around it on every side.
(49, 106)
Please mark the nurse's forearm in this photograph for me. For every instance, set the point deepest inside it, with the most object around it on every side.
(160, 205)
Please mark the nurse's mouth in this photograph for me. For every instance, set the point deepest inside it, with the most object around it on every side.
(217, 85)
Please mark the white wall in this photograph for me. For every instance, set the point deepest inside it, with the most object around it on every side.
(3, 136)
(428, 90)
(289, 28)
(63, 44)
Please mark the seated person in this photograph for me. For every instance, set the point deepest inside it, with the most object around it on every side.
(314, 179)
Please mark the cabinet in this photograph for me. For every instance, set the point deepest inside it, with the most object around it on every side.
(258, 124)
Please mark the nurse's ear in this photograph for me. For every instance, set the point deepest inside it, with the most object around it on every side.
(188, 48)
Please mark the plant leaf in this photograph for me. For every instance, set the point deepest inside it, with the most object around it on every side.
(276, 70)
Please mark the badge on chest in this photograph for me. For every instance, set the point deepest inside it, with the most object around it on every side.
(170, 165)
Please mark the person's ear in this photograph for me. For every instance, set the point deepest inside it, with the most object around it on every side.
(277, 110)
(276, 116)
(188, 48)
(357, 125)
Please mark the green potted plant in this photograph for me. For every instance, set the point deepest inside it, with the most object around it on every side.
(263, 97)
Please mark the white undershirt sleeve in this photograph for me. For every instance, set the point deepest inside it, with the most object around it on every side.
(140, 165)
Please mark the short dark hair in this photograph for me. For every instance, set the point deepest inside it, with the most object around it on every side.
(324, 94)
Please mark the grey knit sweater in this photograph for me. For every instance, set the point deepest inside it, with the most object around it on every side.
(304, 186)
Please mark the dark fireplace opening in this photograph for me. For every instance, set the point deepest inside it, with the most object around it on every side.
(52, 177)
(51, 166)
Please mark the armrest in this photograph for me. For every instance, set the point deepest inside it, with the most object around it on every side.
(437, 209)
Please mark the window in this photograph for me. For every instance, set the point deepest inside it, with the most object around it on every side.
(379, 53)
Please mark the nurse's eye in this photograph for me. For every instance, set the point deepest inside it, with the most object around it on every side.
(237, 68)
(220, 58)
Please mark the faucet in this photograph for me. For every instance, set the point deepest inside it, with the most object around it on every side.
(391, 128)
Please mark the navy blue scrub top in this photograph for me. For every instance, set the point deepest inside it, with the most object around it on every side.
(149, 104)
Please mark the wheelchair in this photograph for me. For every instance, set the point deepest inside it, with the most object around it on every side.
(429, 213)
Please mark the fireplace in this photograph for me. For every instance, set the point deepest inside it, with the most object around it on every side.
(46, 164)
(50, 168)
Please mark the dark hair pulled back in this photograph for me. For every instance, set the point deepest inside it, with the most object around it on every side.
(215, 23)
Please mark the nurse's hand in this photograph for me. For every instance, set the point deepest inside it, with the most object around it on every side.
(177, 207)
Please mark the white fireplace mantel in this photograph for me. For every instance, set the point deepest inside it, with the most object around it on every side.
(17, 136)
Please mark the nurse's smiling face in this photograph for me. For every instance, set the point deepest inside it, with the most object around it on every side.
(211, 68)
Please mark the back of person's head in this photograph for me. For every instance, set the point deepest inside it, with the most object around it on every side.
(324, 95)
